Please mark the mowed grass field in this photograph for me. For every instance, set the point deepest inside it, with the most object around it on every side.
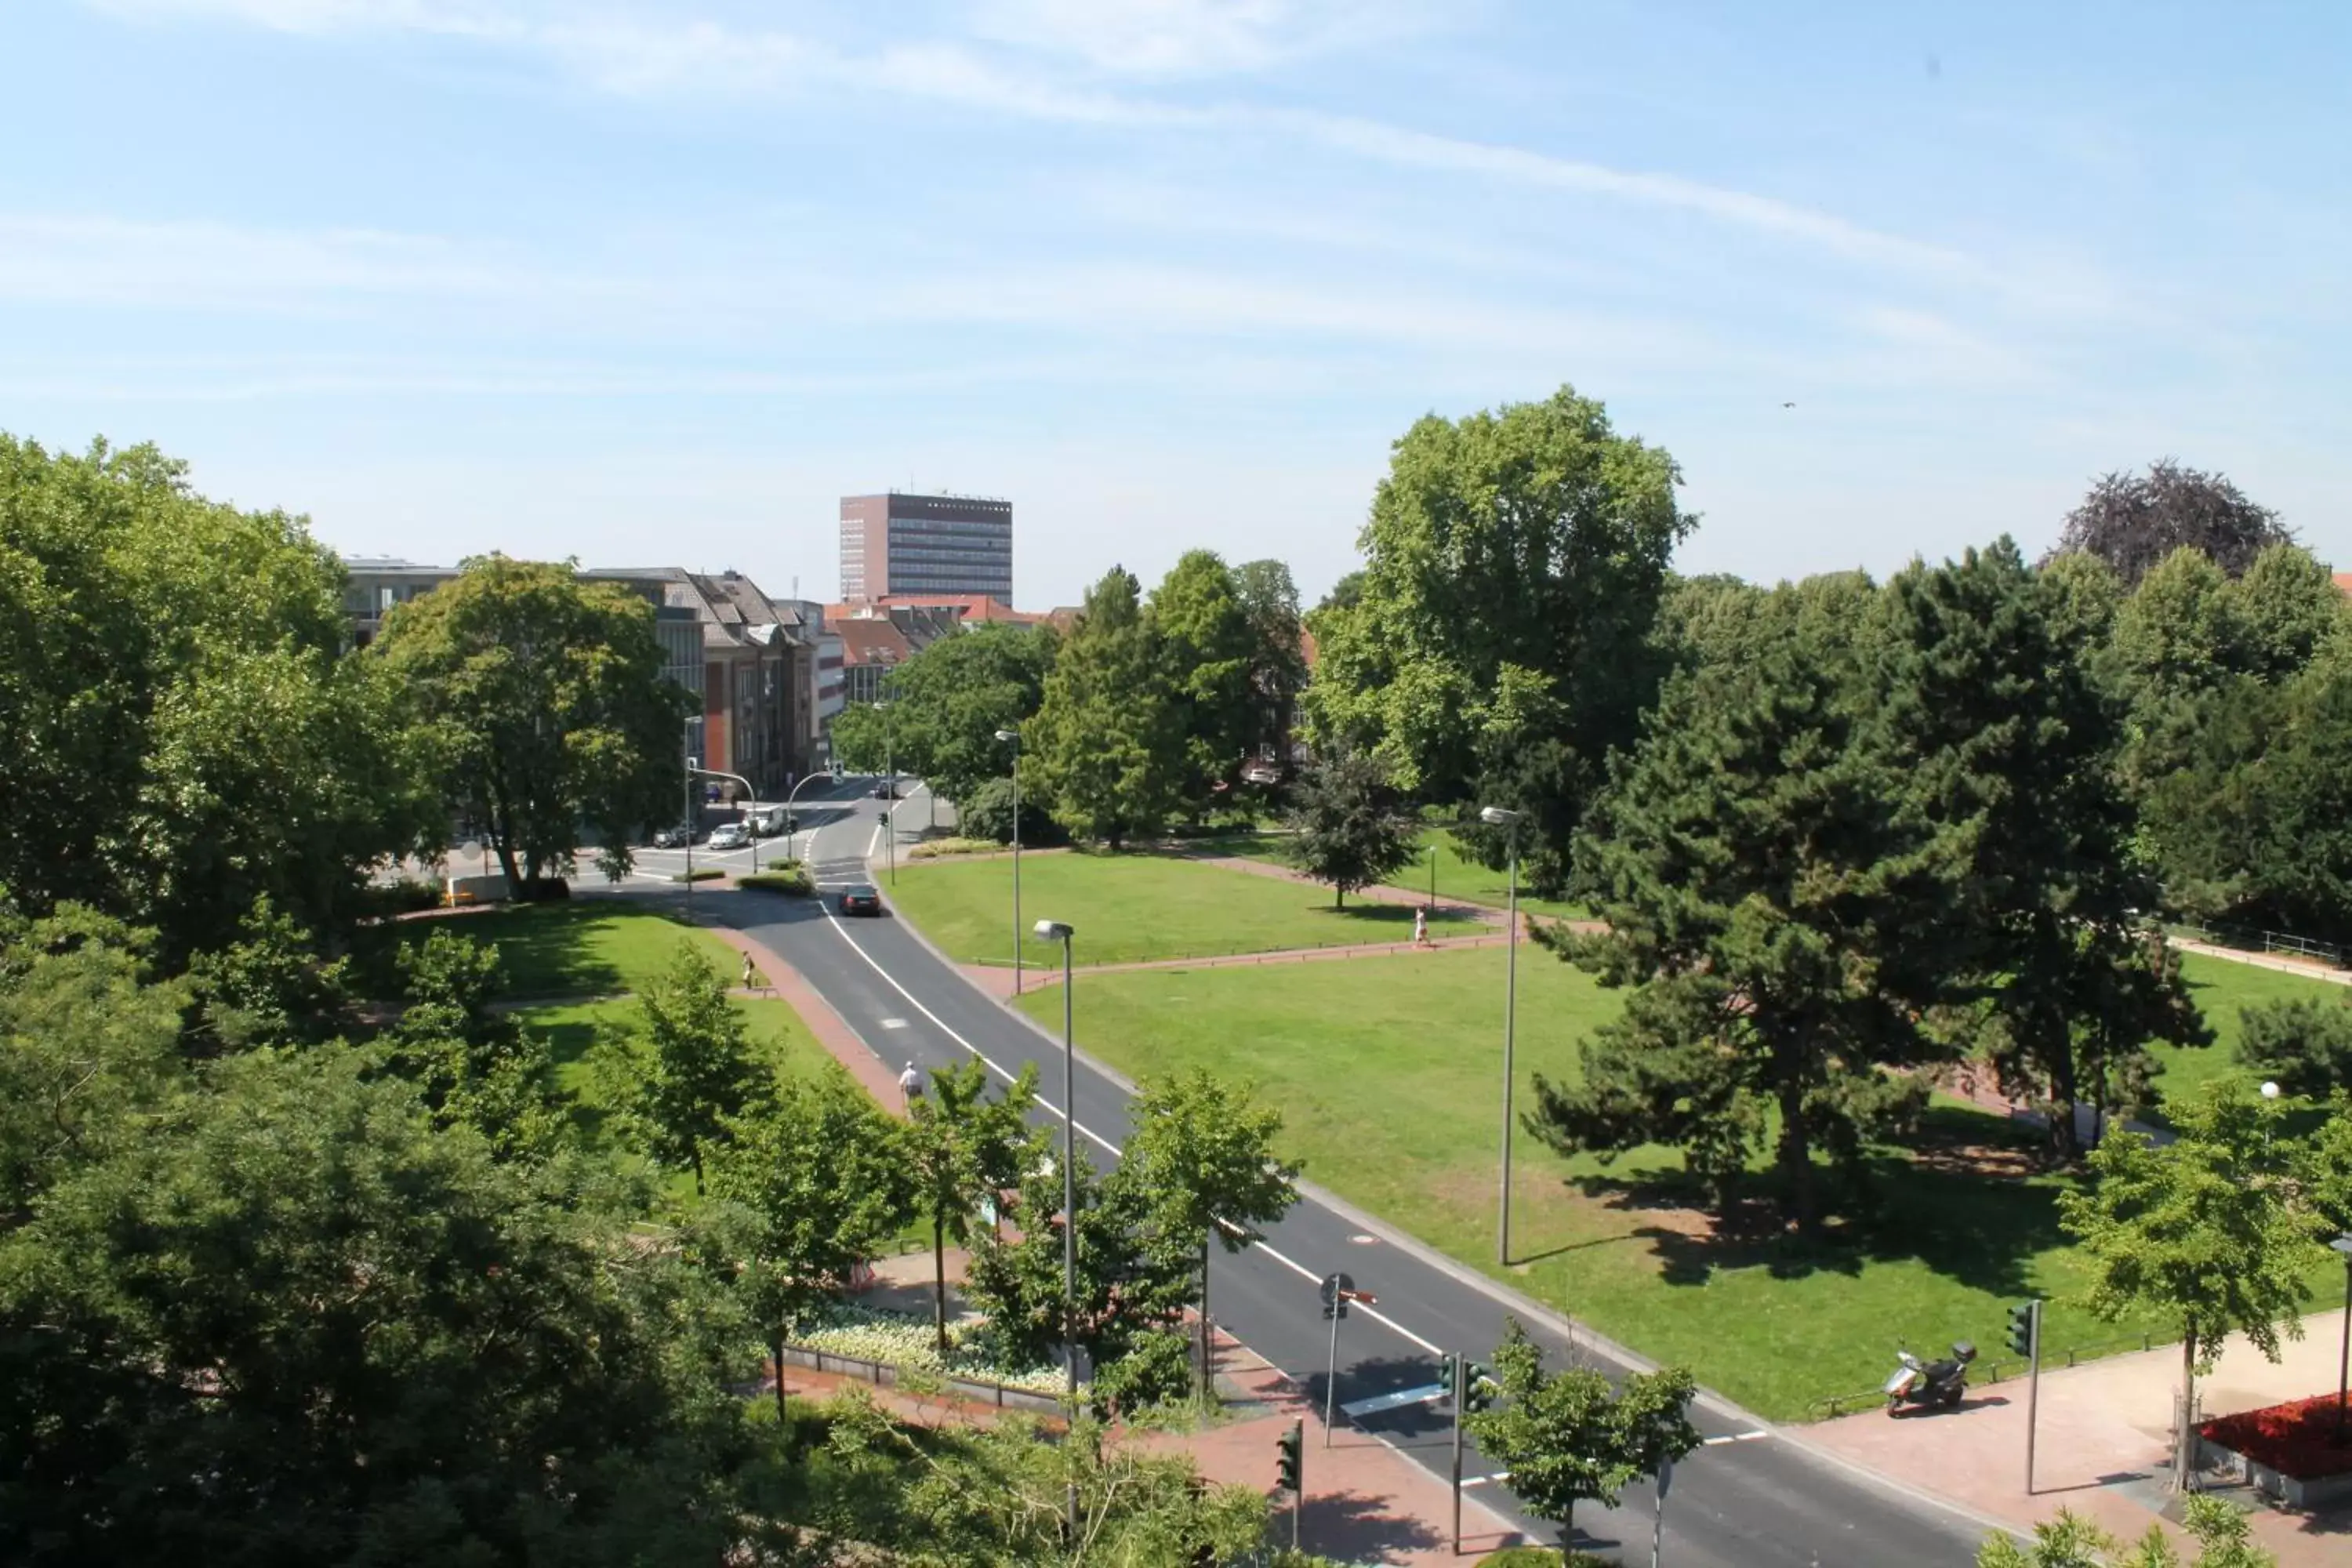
(1457, 880)
(588, 947)
(2222, 989)
(1133, 908)
(1387, 1072)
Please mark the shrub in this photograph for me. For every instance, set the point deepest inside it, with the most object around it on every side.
(792, 877)
(937, 849)
(988, 813)
(2303, 1042)
(404, 897)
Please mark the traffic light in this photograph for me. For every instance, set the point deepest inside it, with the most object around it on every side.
(1290, 1449)
(2020, 1329)
(1477, 1389)
(1446, 1367)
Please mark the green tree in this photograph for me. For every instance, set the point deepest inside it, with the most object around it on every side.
(177, 660)
(270, 986)
(88, 1049)
(1351, 830)
(2303, 1042)
(294, 1322)
(1208, 656)
(987, 813)
(808, 1186)
(2223, 1538)
(1501, 646)
(948, 702)
(2323, 1165)
(1134, 1281)
(2132, 520)
(1769, 909)
(2197, 1231)
(695, 1071)
(866, 738)
(1568, 1438)
(2006, 747)
(538, 699)
(964, 1149)
(1202, 1152)
(1107, 742)
(471, 1062)
(1269, 602)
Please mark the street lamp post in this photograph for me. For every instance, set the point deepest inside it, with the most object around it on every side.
(1501, 817)
(1012, 737)
(1056, 931)
(750, 821)
(791, 823)
(2343, 1244)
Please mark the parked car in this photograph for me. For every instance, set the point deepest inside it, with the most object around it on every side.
(676, 837)
(861, 898)
(729, 835)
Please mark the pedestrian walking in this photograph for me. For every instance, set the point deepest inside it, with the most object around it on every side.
(750, 975)
(1421, 925)
(910, 1085)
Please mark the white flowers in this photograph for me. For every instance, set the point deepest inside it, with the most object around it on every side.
(897, 1338)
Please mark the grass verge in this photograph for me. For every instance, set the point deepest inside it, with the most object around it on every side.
(588, 947)
(1135, 908)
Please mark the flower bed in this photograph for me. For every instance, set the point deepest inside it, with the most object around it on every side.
(900, 1338)
(2287, 1451)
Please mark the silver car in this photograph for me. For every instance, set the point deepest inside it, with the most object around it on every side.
(729, 835)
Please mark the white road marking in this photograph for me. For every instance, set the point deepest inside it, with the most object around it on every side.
(893, 1023)
(1484, 1480)
(1097, 1139)
(1734, 1438)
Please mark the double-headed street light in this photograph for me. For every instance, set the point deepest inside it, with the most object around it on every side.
(1504, 817)
(1012, 739)
(1056, 931)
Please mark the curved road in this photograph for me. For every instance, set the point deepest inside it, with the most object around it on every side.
(1752, 1498)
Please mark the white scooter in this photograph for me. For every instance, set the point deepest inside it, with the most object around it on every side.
(1938, 1383)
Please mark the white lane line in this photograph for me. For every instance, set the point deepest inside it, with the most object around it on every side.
(1485, 1481)
(1749, 1436)
(1097, 1139)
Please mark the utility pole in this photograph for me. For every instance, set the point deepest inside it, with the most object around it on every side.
(1454, 1364)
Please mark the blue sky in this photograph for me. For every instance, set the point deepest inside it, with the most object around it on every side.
(657, 282)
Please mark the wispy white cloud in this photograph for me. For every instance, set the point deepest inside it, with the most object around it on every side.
(98, 260)
(1191, 37)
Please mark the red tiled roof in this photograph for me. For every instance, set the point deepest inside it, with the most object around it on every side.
(2343, 581)
(870, 641)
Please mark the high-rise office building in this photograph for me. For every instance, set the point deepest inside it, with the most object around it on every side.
(895, 544)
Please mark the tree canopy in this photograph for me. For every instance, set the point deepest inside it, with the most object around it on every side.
(2132, 520)
(537, 702)
(1109, 742)
(1499, 645)
(183, 737)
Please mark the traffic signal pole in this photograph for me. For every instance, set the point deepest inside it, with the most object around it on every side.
(1459, 1362)
(2025, 1339)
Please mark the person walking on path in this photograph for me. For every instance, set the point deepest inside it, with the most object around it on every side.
(910, 1085)
(1421, 925)
(751, 977)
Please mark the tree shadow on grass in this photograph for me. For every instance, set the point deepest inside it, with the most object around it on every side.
(1964, 1199)
(544, 949)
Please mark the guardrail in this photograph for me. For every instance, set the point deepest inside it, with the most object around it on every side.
(885, 1374)
(2250, 939)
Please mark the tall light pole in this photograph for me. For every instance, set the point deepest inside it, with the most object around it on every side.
(1012, 738)
(1056, 931)
(1501, 817)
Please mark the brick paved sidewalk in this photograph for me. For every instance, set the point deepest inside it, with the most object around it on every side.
(2104, 1444)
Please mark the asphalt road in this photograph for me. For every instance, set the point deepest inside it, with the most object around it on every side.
(1751, 1499)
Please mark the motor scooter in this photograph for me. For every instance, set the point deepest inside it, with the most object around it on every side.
(1938, 1383)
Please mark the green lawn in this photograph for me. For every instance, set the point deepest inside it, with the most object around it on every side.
(1385, 1071)
(2221, 988)
(1458, 881)
(1127, 908)
(591, 947)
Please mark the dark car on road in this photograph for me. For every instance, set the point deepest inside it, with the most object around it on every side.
(885, 791)
(678, 838)
(861, 898)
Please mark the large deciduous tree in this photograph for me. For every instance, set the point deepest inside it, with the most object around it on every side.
(1208, 657)
(1269, 601)
(293, 1323)
(539, 702)
(947, 703)
(1767, 907)
(1203, 1153)
(1109, 742)
(2201, 1231)
(183, 737)
(1351, 830)
(1499, 645)
(2132, 520)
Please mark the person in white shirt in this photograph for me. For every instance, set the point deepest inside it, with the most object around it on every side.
(910, 1084)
